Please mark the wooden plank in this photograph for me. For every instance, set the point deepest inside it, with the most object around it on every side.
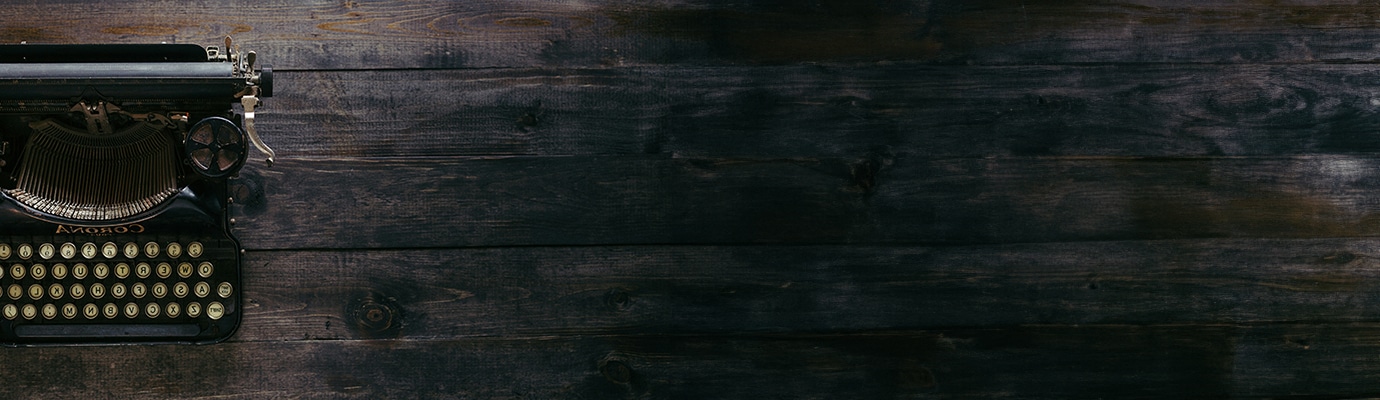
(1027, 363)
(1268, 361)
(822, 111)
(372, 203)
(456, 294)
(523, 33)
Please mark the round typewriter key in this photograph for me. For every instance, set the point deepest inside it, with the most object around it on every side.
(204, 269)
(152, 310)
(35, 291)
(88, 250)
(55, 291)
(173, 310)
(97, 290)
(37, 271)
(79, 271)
(224, 290)
(100, 270)
(131, 250)
(5, 251)
(151, 249)
(164, 270)
(193, 309)
(117, 290)
(138, 290)
(15, 291)
(17, 271)
(77, 291)
(109, 250)
(194, 249)
(68, 250)
(26, 251)
(174, 250)
(29, 311)
(49, 311)
(184, 270)
(202, 289)
(69, 310)
(59, 271)
(142, 270)
(45, 251)
(110, 310)
(121, 270)
(11, 311)
(159, 290)
(131, 310)
(180, 289)
(90, 311)
(215, 310)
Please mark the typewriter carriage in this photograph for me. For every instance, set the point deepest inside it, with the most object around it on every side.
(101, 135)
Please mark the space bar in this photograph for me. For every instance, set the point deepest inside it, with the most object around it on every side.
(107, 330)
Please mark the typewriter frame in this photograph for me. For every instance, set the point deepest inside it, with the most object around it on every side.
(115, 87)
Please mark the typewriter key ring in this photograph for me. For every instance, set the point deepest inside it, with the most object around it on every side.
(215, 147)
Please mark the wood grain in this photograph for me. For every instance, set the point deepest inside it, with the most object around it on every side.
(520, 33)
(1026, 362)
(827, 111)
(457, 294)
(372, 203)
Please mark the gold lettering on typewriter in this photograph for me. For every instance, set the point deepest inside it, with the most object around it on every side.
(100, 231)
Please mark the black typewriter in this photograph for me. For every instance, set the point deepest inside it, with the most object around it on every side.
(114, 168)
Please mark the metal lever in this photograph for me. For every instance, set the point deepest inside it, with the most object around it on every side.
(249, 102)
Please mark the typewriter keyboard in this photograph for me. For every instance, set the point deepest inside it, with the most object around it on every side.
(168, 288)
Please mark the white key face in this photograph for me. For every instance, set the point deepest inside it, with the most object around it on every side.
(174, 250)
(193, 309)
(49, 311)
(164, 270)
(45, 251)
(29, 311)
(122, 270)
(79, 271)
(69, 311)
(11, 311)
(180, 289)
(151, 249)
(5, 252)
(215, 310)
(131, 250)
(131, 310)
(205, 269)
(109, 250)
(194, 249)
(97, 290)
(101, 270)
(152, 310)
(68, 250)
(224, 290)
(184, 270)
(77, 291)
(173, 310)
(90, 311)
(88, 251)
(109, 310)
(26, 251)
(59, 271)
(202, 289)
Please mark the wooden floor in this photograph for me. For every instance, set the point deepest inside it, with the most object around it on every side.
(678, 199)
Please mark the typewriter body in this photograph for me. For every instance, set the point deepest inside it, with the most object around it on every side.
(114, 161)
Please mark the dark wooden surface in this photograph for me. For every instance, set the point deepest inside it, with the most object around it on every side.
(782, 199)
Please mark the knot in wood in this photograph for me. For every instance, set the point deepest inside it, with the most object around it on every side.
(618, 299)
(616, 371)
(376, 317)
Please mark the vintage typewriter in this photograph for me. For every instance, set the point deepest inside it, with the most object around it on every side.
(114, 168)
